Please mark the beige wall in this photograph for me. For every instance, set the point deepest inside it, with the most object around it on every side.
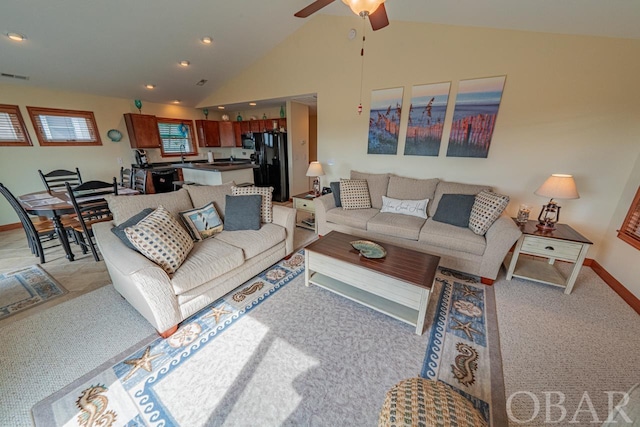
(569, 105)
(19, 165)
(298, 135)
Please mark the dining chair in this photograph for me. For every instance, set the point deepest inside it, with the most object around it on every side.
(55, 180)
(90, 207)
(126, 177)
(139, 180)
(36, 231)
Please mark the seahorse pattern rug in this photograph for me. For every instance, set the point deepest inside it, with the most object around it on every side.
(25, 288)
(273, 352)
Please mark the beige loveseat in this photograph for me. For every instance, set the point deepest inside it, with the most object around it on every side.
(459, 248)
(214, 266)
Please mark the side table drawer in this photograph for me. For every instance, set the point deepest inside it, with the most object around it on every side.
(304, 205)
(552, 248)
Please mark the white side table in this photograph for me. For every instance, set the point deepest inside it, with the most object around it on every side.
(563, 243)
(304, 202)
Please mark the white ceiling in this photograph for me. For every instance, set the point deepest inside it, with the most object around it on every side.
(114, 47)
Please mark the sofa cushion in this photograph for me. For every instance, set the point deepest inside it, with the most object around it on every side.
(202, 223)
(267, 196)
(124, 207)
(161, 238)
(118, 230)
(392, 224)
(254, 242)
(486, 209)
(209, 259)
(405, 207)
(410, 188)
(377, 182)
(352, 218)
(451, 237)
(243, 212)
(454, 188)
(335, 190)
(354, 194)
(203, 194)
(455, 209)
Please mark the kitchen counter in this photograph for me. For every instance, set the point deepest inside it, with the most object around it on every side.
(216, 166)
(218, 172)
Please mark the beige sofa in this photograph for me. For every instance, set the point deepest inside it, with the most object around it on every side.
(214, 266)
(459, 248)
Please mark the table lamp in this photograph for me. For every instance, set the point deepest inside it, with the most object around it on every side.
(315, 170)
(557, 186)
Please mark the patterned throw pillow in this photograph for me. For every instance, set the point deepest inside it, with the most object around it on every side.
(202, 222)
(266, 211)
(354, 194)
(162, 239)
(405, 207)
(486, 209)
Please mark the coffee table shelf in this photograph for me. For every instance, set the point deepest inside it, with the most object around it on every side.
(383, 305)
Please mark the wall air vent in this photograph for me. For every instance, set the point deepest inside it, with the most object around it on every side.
(14, 76)
(201, 82)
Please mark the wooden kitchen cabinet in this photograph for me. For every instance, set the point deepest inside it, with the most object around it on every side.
(208, 133)
(237, 133)
(245, 127)
(282, 124)
(255, 126)
(143, 130)
(227, 134)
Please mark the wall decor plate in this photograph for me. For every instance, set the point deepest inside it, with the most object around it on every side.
(115, 135)
(225, 117)
(369, 249)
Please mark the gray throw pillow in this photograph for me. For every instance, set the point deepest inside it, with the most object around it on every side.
(455, 209)
(335, 190)
(242, 212)
(119, 229)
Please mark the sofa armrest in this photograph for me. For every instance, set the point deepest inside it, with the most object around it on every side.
(285, 217)
(322, 205)
(144, 284)
(500, 238)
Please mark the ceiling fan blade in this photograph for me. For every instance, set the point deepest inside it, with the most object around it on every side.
(313, 8)
(379, 18)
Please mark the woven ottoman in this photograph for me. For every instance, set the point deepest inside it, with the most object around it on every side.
(421, 402)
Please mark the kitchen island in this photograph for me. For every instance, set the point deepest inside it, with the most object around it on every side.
(218, 172)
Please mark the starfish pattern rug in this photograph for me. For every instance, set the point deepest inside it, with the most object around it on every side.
(25, 288)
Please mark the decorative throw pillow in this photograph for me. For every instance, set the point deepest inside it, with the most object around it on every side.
(455, 209)
(335, 190)
(354, 194)
(161, 238)
(242, 212)
(405, 207)
(487, 207)
(266, 211)
(202, 222)
(118, 230)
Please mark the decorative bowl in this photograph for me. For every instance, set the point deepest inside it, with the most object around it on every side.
(369, 249)
(225, 117)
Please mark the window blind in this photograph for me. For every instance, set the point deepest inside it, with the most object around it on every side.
(174, 139)
(630, 230)
(61, 127)
(12, 129)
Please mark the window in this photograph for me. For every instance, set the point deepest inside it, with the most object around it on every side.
(630, 230)
(12, 129)
(64, 127)
(177, 137)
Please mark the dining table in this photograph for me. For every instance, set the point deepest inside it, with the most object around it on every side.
(55, 204)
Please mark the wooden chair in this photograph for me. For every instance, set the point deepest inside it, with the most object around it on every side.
(90, 207)
(55, 180)
(36, 231)
(139, 180)
(126, 177)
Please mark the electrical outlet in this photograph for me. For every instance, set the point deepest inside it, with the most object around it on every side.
(120, 162)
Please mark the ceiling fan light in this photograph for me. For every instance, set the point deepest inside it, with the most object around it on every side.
(363, 7)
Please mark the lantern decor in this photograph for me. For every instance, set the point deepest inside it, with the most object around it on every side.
(205, 111)
(557, 186)
(138, 105)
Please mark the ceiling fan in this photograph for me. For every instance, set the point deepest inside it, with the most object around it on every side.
(374, 9)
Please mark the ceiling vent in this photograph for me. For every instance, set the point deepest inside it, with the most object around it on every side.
(201, 82)
(14, 76)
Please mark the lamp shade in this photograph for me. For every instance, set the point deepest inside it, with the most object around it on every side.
(363, 7)
(559, 186)
(315, 169)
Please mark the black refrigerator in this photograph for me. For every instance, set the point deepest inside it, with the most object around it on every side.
(271, 156)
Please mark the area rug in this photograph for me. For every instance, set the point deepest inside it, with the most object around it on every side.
(273, 352)
(25, 288)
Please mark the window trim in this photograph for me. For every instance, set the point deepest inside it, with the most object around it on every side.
(15, 110)
(192, 136)
(34, 112)
(633, 216)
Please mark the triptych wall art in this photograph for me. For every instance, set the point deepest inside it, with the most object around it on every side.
(474, 118)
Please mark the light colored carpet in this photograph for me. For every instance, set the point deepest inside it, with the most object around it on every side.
(587, 341)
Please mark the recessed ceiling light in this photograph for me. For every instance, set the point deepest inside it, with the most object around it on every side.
(176, 101)
(220, 107)
(185, 63)
(253, 104)
(150, 86)
(16, 37)
(206, 40)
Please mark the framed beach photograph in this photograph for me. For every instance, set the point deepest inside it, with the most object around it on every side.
(384, 121)
(426, 119)
(474, 117)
